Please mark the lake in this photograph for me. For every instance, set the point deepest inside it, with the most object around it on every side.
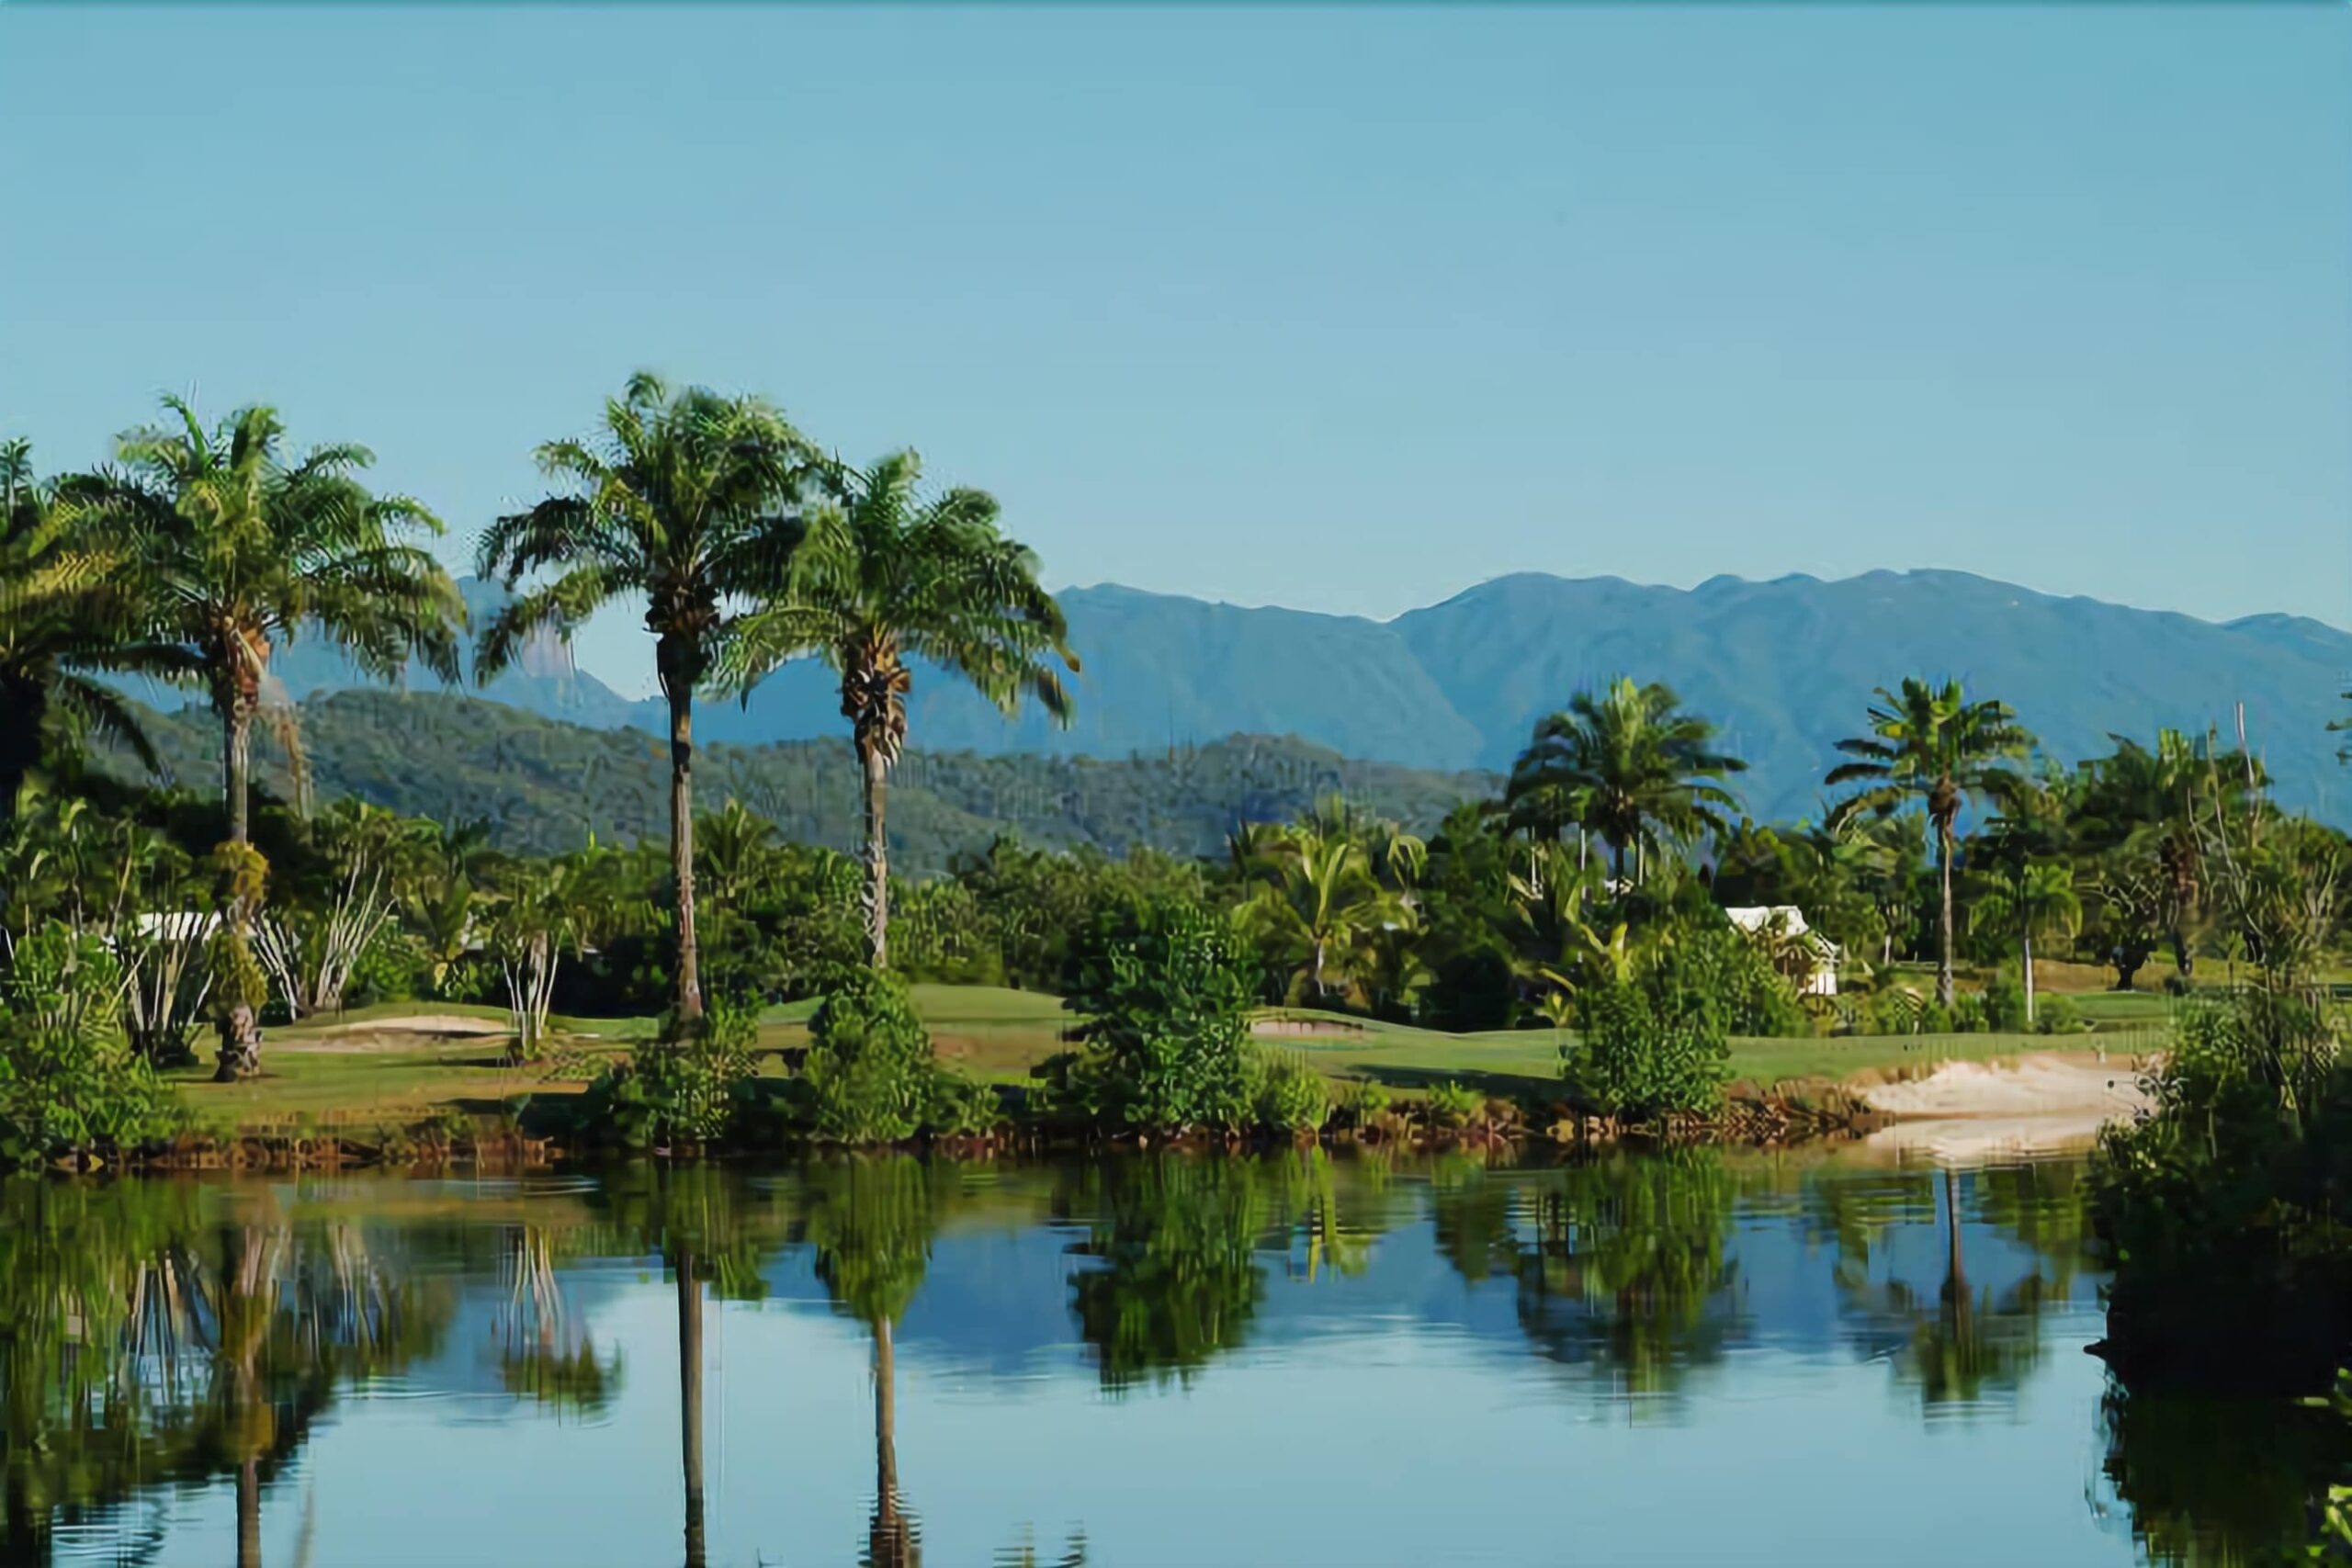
(1809, 1357)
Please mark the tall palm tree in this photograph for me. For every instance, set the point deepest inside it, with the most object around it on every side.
(2039, 899)
(883, 575)
(689, 498)
(1933, 746)
(1628, 765)
(65, 613)
(232, 550)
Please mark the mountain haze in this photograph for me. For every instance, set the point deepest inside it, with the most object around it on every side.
(1787, 666)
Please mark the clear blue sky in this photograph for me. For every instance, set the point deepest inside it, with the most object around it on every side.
(1342, 309)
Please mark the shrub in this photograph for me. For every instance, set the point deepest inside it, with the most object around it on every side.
(688, 1088)
(1933, 1019)
(1453, 1105)
(871, 1076)
(1969, 1013)
(2057, 1015)
(1892, 1011)
(1711, 970)
(1641, 1056)
(2005, 1007)
(70, 1086)
(1292, 1096)
(1166, 985)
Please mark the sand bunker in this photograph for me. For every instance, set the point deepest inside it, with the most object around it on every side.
(1305, 1029)
(2075, 1088)
(396, 1034)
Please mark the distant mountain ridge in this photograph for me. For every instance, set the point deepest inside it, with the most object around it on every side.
(1786, 667)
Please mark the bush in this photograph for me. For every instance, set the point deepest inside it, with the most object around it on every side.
(1969, 1014)
(871, 1076)
(1934, 1019)
(1166, 985)
(688, 1088)
(2005, 1007)
(1292, 1096)
(2057, 1015)
(1642, 1055)
(1453, 1106)
(1892, 1011)
(70, 1086)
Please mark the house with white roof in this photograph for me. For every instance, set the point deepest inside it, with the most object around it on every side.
(1808, 958)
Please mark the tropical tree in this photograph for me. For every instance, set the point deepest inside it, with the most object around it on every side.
(882, 575)
(689, 500)
(2037, 900)
(1320, 902)
(1932, 746)
(65, 614)
(1627, 764)
(231, 549)
(2158, 804)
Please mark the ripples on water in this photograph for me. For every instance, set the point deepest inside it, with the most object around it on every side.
(1296, 1358)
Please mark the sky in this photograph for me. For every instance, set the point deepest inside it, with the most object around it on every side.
(1342, 309)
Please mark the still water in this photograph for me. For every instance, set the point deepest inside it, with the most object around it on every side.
(1300, 1359)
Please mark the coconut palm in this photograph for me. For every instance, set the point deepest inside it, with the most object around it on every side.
(64, 615)
(689, 500)
(1627, 764)
(2038, 901)
(883, 575)
(231, 549)
(1933, 746)
(1321, 903)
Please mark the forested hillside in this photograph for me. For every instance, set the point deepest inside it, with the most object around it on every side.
(545, 786)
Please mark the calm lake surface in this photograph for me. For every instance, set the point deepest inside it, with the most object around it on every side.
(1300, 1359)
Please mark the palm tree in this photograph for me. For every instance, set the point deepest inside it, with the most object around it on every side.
(882, 575)
(1321, 901)
(231, 549)
(2037, 900)
(689, 498)
(1628, 765)
(1934, 746)
(63, 615)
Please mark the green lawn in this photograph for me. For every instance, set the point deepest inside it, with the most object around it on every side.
(339, 1072)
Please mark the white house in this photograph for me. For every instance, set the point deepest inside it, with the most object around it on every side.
(1803, 955)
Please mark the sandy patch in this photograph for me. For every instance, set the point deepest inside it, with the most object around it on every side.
(1305, 1029)
(2038, 1087)
(422, 1024)
(417, 1033)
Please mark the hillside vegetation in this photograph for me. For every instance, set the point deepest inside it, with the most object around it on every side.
(545, 786)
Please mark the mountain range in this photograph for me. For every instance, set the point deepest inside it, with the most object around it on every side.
(1786, 667)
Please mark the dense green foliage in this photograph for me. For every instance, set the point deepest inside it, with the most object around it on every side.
(70, 1086)
(872, 1076)
(1166, 987)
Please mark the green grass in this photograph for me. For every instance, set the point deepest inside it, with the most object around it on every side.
(312, 1072)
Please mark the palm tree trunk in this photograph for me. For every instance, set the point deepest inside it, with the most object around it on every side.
(689, 1403)
(236, 759)
(249, 1513)
(876, 769)
(2028, 979)
(688, 1000)
(889, 1543)
(1943, 934)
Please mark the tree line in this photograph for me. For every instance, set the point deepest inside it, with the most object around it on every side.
(1589, 891)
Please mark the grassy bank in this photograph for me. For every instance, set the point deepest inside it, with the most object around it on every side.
(396, 1065)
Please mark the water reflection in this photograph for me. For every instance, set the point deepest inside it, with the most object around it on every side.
(171, 1351)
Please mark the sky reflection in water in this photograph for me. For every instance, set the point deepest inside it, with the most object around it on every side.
(1296, 1360)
